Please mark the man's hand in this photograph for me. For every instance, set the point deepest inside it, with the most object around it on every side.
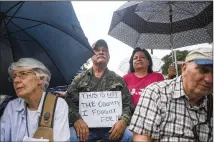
(117, 130)
(81, 129)
(171, 72)
(60, 94)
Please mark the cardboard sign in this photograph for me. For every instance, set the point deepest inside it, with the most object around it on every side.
(100, 109)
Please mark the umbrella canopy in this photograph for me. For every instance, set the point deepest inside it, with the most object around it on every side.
(47, 31)
(163, 24)
(124, 64)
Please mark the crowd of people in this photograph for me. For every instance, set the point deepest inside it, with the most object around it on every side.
(153, 109)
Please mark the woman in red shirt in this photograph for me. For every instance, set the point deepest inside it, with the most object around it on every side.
(140, 73)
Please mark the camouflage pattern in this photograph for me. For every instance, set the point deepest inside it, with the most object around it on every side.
(109, 82)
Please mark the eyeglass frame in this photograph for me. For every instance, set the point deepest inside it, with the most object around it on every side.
(21, 76)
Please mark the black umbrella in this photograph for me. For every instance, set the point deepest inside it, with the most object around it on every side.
(47, 31)
(163, 24)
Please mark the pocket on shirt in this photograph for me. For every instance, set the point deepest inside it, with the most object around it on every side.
(115, 87)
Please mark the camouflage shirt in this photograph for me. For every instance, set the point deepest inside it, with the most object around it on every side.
(110, 81)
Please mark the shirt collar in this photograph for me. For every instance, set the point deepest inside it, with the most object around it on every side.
(41, 102)
(179, 92)
(90, 71)
(202, 105)
(22, 104)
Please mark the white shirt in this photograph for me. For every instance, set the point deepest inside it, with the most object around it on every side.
(32, 121)
(13, 121)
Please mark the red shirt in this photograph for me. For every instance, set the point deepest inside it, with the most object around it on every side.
(136, 84)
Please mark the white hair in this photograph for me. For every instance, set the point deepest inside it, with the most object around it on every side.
(35, 65)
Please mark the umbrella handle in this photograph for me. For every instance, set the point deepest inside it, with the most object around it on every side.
(174, 61)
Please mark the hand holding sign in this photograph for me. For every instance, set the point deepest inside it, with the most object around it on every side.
(117, 130)
(100, 109)
(81, 129)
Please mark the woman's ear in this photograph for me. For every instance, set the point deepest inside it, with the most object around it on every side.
(41, 79)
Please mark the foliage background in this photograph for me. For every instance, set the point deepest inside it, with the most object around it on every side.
(181, 55)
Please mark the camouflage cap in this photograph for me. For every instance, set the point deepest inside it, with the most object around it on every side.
(100, 43)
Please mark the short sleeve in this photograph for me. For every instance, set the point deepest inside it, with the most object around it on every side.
(160, 77)
(147, 116)
(61, 130)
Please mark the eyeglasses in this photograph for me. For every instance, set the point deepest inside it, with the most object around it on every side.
(22, 75)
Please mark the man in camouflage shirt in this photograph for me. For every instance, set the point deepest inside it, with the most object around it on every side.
(96, 79)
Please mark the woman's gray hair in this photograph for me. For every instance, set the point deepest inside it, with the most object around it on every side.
(38, 67)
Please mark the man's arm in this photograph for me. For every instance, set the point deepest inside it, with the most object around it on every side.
(128, 107)
(119, 127)
(147, 115)
(72, 99)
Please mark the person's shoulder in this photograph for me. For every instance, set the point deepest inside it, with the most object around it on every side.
(128, 75)
(61, 104)
(16, 101)
(80, 75)
(115, 75)
(165, 84)
(163, 90)
(61, 100)
(15, 104)
(157, 74)
(61, 109)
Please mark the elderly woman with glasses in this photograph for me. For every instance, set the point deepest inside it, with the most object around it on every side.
(20, 119)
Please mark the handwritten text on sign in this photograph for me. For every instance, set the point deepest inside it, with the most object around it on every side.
(100, 109)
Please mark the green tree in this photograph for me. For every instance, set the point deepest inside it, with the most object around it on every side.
(181, 55)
